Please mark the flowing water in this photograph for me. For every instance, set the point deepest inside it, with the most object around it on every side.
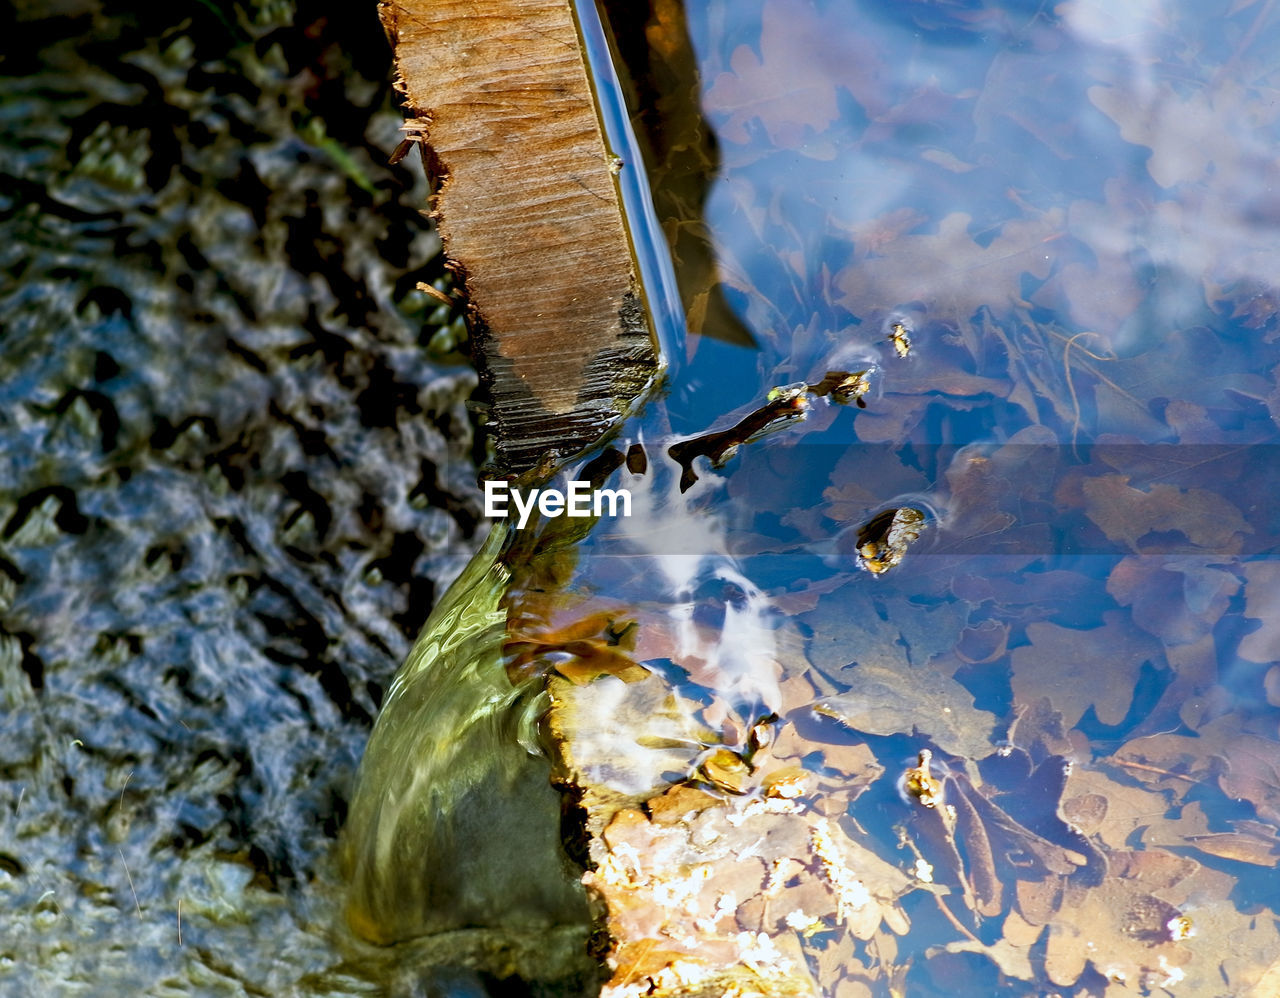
(1044, 238)
(994, 278)
(1043, 235)
(232, 478)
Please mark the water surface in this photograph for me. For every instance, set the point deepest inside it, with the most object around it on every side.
(1065, 218)
(231, 480)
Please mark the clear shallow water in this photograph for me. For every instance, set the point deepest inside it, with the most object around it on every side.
(231, 479)
(1070, 214)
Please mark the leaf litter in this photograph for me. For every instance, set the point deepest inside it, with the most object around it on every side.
(1052, 770)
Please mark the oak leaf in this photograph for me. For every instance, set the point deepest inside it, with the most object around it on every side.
(1179, 600)
(950, 272)
(892, 701)
(1253, 774)
(1077, 669)
(790, 86)
(1262, 603)
(1110, 810)
(1127, 514)
(1121, 928)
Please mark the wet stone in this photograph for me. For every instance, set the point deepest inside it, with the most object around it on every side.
(233, 480)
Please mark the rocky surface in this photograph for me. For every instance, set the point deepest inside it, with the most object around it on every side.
(232, 480)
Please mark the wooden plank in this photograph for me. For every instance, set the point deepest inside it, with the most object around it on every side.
(529, 213)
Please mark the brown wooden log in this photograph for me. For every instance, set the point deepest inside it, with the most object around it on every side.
(530, 216)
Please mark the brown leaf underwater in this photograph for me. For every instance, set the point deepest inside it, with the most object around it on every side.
(1083, 639)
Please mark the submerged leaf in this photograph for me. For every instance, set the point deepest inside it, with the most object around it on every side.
(884, 541)
(1179, 600)
(883, 701)
(986, 841)
(1253, 773)
(1014, 961)
(592, 659)
(791, 86)
(1262, 603)
(1080, 669)
(950, 271)
(1121, 928)
(1109, 811)
(984, 643)
(1127, 514)
(1244, 847)
(581, 649)
(855, 624)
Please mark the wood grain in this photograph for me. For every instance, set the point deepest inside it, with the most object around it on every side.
(529, 212)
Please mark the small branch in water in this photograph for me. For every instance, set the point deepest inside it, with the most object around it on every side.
(784, 405)
(644, 950)
(131, 887)
(1066, 367)
(1154, 769)
(951, 917)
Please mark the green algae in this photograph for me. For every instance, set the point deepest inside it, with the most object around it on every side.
(454, 827)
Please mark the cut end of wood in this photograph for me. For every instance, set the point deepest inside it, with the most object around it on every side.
(529, 212)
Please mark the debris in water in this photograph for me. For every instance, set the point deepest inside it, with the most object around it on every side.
(726, 770)
(844, 387)
(900, 339)
(922, 785)
(885, 539)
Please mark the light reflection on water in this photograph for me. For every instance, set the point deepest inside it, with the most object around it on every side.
(1069, 208)
(231, 476)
